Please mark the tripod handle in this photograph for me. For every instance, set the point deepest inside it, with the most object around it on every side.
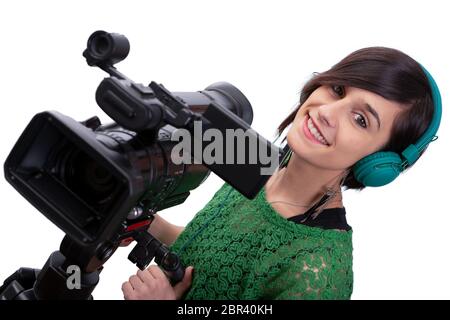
(171, 265)
(147, 248)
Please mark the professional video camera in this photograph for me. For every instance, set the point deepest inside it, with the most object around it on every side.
(102, 184)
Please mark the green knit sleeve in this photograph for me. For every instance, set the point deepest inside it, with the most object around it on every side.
(323, 274)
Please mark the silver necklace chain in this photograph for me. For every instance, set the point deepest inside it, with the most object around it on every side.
(332, 194)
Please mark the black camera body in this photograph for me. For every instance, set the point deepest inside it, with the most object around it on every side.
(87, 178)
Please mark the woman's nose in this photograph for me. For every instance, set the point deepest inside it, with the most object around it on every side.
(328, 114)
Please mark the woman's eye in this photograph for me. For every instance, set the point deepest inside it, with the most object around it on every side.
(339, 90)
(360, 120)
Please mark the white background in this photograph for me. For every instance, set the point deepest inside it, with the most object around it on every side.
(268, 49)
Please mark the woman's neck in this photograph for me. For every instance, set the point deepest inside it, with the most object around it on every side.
(302, 184)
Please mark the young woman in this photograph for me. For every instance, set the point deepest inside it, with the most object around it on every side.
(292, 241)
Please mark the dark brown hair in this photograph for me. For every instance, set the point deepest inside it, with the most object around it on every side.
(389, 73)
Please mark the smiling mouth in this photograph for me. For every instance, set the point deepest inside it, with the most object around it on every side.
(312, 133)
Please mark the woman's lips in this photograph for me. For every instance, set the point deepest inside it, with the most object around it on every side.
(308, 133)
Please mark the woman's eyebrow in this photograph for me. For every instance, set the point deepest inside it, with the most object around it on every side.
(373, 112)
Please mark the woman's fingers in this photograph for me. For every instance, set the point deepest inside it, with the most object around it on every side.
(136, 282)
(157, 273)
(145, 275)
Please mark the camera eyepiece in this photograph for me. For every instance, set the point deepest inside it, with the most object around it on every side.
(106, 48)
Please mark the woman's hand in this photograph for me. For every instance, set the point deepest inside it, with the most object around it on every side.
(153, 284)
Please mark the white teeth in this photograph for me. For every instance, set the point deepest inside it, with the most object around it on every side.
(315, 132)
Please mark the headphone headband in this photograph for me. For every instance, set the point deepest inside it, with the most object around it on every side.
(412, 152)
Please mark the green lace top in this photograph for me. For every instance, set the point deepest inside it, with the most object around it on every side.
(244, 249)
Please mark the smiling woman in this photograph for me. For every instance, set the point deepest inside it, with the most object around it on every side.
(375, 99)
(293, 241)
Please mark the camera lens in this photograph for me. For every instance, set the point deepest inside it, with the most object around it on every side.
(88, 179)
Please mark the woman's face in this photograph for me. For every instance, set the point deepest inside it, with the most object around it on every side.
(337, 126)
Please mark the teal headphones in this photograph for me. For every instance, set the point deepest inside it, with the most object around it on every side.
(381, 168)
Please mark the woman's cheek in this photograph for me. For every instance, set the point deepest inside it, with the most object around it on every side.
(352, 149)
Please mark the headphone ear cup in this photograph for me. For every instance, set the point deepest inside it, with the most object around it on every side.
(378, 169)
